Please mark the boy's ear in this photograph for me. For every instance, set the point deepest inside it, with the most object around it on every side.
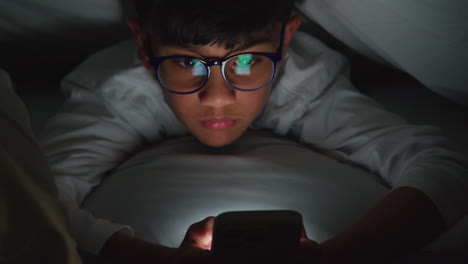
(293, 24)
(140, 38)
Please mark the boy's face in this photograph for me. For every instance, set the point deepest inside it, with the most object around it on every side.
(217, 115)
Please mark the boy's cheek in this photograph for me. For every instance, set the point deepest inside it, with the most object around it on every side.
(179, 104)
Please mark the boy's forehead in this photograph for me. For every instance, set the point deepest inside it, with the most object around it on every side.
(215, 49)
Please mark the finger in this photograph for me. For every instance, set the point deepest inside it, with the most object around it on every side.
(209, 223)
(205, 235)
(200, 234)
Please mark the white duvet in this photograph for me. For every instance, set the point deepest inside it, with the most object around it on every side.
(167, 187)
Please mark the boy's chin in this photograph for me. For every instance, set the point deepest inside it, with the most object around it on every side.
(218, 142)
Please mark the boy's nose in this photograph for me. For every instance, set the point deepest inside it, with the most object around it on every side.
(217, 93)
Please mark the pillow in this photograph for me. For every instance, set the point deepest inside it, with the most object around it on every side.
(162, 190)
(427, 39)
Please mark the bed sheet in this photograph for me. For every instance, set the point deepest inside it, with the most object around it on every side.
(431, 34)
(427, 38)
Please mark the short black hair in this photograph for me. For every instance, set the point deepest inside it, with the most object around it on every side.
(202, 22)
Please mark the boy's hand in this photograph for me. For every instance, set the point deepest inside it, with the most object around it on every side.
(196, 245)
(122, 248)
(194, 249)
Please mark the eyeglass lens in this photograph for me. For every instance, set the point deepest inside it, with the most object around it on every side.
(245, 71)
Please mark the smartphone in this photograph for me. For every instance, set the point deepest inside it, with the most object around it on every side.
(256, 233)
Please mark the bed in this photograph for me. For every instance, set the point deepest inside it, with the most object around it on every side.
(163, 189)
(253, 174)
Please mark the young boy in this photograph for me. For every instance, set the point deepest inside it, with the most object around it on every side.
(214, 69)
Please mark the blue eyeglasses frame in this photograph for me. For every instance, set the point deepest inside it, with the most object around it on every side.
(274, 57)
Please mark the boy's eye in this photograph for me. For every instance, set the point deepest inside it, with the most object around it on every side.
(188, 62)
(193, 65)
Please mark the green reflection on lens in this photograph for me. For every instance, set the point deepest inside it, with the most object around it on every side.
(243, 64)
(198, 68)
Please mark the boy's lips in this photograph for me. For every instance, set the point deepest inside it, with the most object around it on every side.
(218, 124)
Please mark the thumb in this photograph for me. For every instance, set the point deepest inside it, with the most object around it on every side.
(200, 234)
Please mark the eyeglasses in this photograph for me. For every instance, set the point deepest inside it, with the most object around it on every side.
(246, 72)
